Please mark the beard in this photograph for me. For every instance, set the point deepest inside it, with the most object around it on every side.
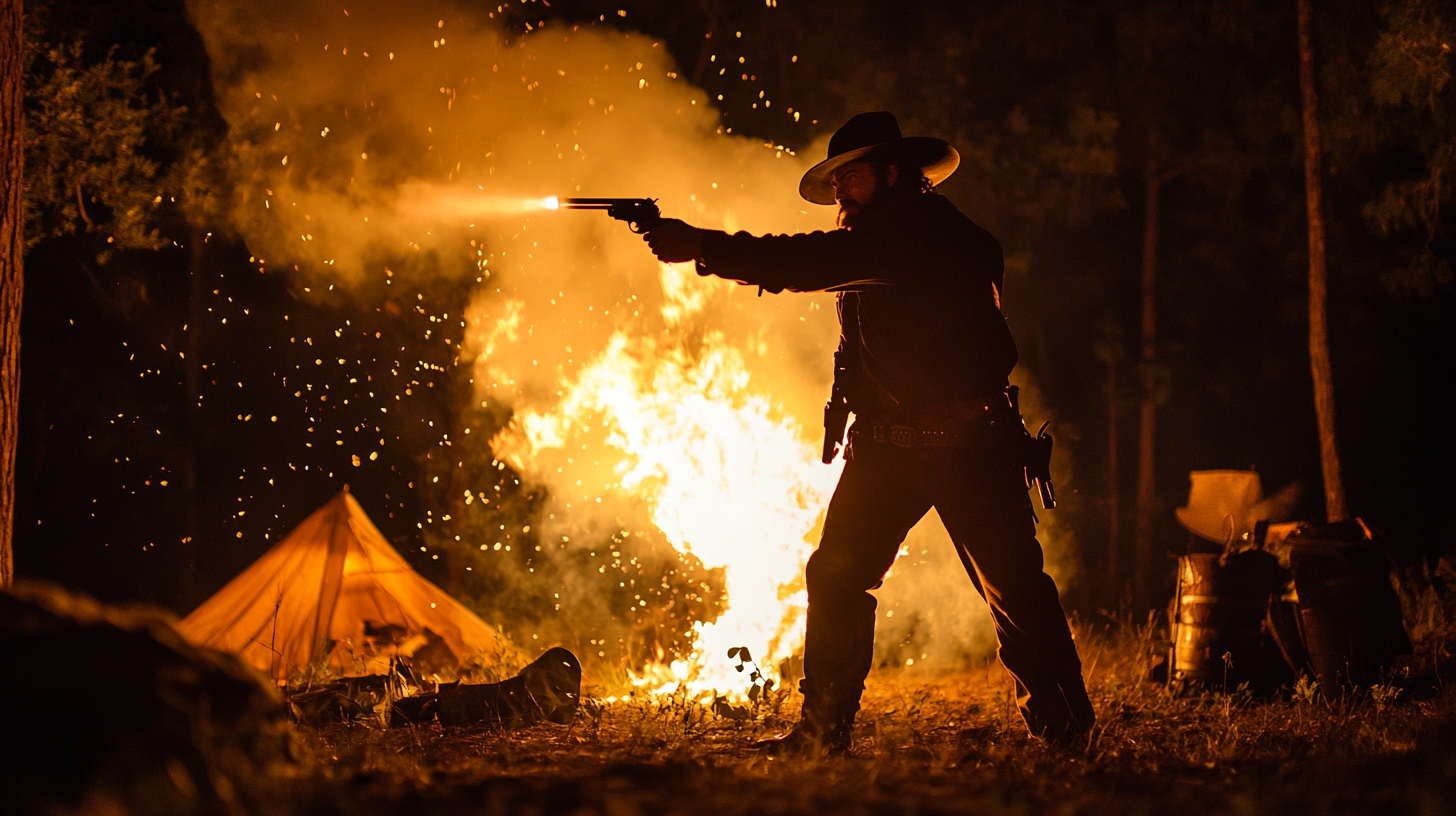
(853, 215)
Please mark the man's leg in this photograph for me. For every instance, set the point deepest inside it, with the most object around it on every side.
(987, 512)
(872, 509)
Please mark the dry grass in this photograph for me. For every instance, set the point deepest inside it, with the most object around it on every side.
(924, 744)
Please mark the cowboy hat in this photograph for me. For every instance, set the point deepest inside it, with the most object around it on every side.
(877, 133)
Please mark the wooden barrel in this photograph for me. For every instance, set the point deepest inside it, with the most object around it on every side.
(1219, 639)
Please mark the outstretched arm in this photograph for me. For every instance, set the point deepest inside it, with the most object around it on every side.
(806, 262)
(908, 246)
(809, 262)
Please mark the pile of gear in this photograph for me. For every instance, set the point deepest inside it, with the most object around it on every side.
(1275, 602)
(548, 689)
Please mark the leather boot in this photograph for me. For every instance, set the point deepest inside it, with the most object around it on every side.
(811, 740)
(825, 728)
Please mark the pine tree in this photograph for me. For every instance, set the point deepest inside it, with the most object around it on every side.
(12, 226)
(1336, 508)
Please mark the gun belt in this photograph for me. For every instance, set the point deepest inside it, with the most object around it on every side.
(909, 436)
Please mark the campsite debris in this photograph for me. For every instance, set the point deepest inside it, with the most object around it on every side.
(413, 710)
(1349, 615)
(1224, 506)
(1321, 595)
(109, 709)
(345, 700)
(547, 689)
(1219, 638)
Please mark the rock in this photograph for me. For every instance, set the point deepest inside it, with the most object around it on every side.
(110, 709)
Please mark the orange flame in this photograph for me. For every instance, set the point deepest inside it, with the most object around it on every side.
(727, 477)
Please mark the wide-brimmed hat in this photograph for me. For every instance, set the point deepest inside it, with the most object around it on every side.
(877, 133)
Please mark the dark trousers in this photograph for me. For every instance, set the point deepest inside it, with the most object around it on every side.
(981, 496)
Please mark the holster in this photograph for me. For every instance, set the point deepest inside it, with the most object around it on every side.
(847, 373)
(1036, 455)
(1039, 466)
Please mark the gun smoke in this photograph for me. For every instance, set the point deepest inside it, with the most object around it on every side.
(649, 404)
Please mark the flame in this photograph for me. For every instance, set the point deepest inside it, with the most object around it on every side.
(726, 476)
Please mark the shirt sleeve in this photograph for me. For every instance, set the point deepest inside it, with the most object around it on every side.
(843, 260)
(807, 262)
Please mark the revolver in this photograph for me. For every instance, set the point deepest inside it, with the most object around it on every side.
(1039, 466)
(641, 214)
(836, 410)
(1036, 454)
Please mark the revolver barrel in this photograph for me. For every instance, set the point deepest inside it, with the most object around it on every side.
(595, 203)
(641, 214)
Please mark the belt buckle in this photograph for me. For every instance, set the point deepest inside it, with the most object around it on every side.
(902, 436)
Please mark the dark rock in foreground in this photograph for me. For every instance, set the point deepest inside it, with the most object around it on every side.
(110, 709)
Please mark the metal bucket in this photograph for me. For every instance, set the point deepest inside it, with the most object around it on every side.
(1219, 639)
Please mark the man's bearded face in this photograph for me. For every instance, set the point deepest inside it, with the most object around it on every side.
(860, 190)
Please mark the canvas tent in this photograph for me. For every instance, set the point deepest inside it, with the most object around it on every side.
(335, 590)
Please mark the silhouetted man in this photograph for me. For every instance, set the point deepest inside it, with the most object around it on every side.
(927, 354)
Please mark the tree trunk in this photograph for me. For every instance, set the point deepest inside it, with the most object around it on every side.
(12, 281)
(1319, 346)
(1144, 551)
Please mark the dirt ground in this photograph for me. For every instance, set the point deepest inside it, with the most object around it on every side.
(924, 744)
